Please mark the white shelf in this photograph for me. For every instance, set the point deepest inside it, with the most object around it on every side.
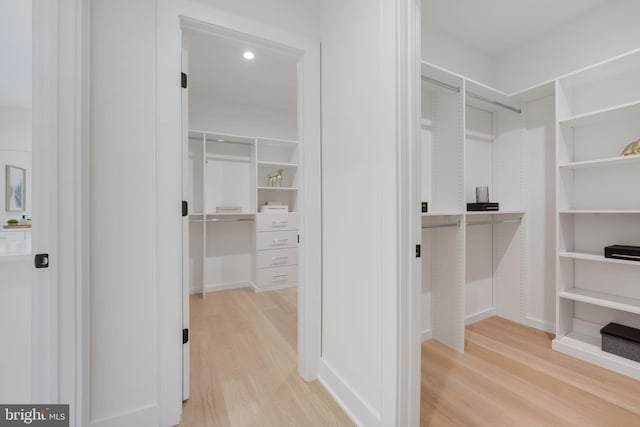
(597, 258)
(475, 213)
(587, 347)
(600, 211)
(443, 213)
(228, 158)
(611, 161)
(278, 188)
(277, 165)
(615, 302)
(230, 214)
(606, 114)
(275, 141)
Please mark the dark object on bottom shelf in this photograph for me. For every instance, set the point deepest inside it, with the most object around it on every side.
(425, 207)
(490, 206)
(631, 253)
(621, 340)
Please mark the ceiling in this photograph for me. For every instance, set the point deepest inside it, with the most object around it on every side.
(218, 70)
(497, 26)
(15, 53)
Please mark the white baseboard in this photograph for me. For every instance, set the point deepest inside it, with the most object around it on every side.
(274, 287)
(143, 417)
(427, 334)
(540, 324)
(351, 403)
(469, 320)
(222, 287)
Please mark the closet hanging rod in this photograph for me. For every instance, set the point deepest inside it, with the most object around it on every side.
(228, 219)
(503, 221)
(441, 84)
(449, 224)
(470, 94)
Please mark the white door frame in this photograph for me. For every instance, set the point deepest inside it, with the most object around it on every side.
(60, 118)
(170, 16)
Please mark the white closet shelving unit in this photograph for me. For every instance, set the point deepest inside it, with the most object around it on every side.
(598, 114)
(238, 249)
(472, 261)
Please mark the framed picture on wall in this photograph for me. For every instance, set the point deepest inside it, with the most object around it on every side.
(16, 189)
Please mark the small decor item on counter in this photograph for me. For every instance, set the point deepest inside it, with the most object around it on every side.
(630, 253)
(482, 194)
(276, 180)
(228, 209)
(621, 340)
(13, 221)
(633, 148)
(475, 207)
(25, 220)
(425, 207)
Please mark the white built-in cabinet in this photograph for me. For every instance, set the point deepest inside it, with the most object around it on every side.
(598, 114)
(472, 261)
(559, 208)
(248, 247)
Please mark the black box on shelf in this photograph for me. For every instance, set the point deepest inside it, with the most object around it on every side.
(631, 253)
(621, 340)
(490, 206)
(425, 206)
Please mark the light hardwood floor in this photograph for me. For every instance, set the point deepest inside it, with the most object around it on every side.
(509, 376)
(243, 364)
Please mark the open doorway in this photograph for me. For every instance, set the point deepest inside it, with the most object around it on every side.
(243, 175)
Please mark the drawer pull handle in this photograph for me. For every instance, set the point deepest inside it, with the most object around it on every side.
(279, 223)
(280, 277)
(279, 241)
(276, 258)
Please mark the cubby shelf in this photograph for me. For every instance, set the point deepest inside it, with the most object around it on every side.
(611, 161)
(443, 213)
(617, 112)
(507, 212)
(615, 302)
(600, 211)
(597, 258)
(277, 165)
(587, 347)
(278, 188)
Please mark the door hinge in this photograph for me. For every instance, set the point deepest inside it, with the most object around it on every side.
(183, 80)
(185, 336)
(42, 261)
(418, 251)
(185, 208)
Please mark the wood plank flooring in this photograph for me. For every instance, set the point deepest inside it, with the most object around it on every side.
(509, 376)
(244, 364)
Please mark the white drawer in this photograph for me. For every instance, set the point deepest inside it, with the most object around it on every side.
(277, 258)
(276, 276)
(12, 235)
(276, 240)
(274, 222)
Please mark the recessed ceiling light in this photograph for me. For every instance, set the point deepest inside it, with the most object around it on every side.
(248, 55)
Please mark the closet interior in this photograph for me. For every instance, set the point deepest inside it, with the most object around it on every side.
(241, 167)
(550, 155)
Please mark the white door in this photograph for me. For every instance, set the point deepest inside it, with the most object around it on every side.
(185, 230)
(28, 297)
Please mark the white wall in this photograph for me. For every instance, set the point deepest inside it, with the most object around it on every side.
(15, 150)
(445, 51)
(353, 177)
(604, 32)
(224, 117)
(297, 16)
(123, 359)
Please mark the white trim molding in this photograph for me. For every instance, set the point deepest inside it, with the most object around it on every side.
(142, 417)
(360, 412)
